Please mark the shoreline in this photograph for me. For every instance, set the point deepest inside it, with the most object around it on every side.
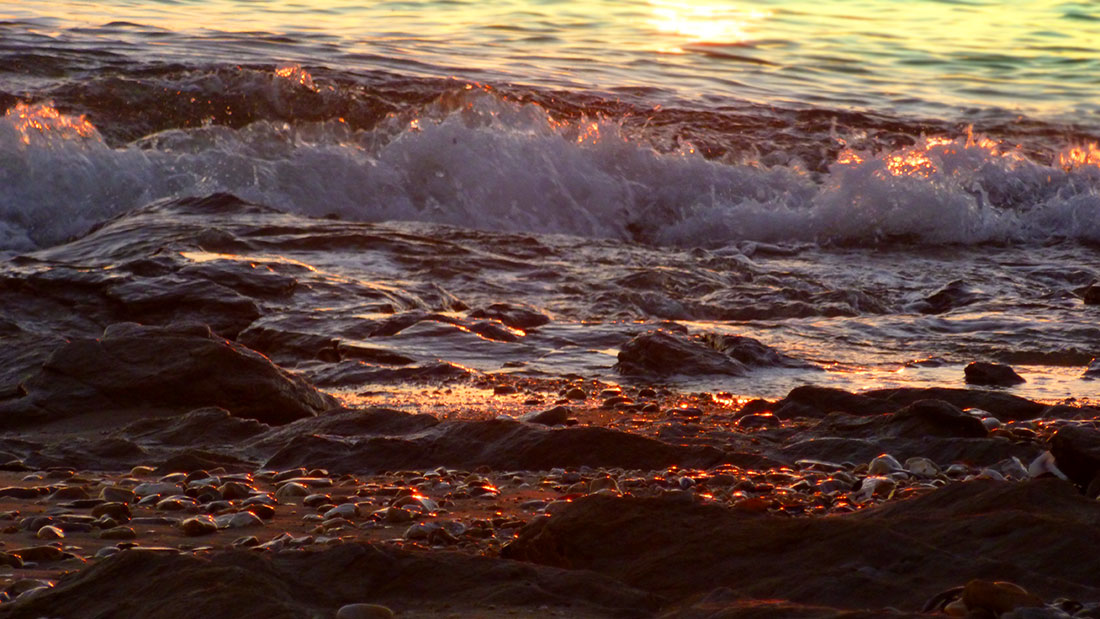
(573, 521)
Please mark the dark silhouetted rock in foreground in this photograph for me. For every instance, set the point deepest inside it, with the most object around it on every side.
(899, 554)
(1076, 451)
(233, 584)
(499, 444)
(935, 418)
(982, 373)
(812, 401)
(161, 370)
(203, 426)
(1003, 406)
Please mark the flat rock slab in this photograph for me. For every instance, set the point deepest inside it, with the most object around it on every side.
(499, 444)
(141, 583)
(897, 555)
(166, 369)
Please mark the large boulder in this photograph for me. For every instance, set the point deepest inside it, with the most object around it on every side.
(136, 371)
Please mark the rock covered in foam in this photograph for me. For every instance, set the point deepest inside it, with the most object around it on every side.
(175, 368)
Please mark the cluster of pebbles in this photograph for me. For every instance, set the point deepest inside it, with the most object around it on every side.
(55, 521)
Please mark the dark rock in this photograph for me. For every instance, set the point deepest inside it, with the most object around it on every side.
(202, 426)
(240, 583)
(659, 353)
(934, 418)
(812, 401)
(372, 354)
(17, 492)
(982, 373)
(1003, 406)
(356, 373)
(195, 460)
(556, 416)
(870, 443)
(372, 421)
(980, 529)
(1091, 295)
(514, 315)
(167, 300)
(1093, 369)
(498, 444)
(955, 294)
(752, 352)
(162, 368)
(1076, 451)
(758, 420)
(493, 331)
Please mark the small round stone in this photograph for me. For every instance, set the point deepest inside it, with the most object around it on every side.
(120, 533)
(198, 525)
(49, 532)
(364, 611)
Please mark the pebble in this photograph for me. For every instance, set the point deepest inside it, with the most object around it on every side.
(107, 551)
(344, 510)
(922, 467)
(291, 490)
(115, 494)
(121, 533)
(198, 525)
(238, 520)
(576, 393)
(364, 611)
(884, 465)
(604, 483)
(49, 532)
(265, 512)
(154, 488)
(120, 512)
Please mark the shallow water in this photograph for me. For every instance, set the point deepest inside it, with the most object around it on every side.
(887, 195)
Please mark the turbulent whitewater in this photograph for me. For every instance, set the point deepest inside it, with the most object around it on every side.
(886, 241)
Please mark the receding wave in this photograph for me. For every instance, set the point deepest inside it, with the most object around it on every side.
(472, 157)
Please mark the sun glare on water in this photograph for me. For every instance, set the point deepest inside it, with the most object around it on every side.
(700, 21)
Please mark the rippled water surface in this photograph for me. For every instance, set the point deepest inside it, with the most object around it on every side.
(1030, 56)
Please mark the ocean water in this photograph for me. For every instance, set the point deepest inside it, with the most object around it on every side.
(886, 191)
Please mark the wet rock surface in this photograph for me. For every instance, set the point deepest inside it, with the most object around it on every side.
(648, 542)
(981, 373)
(162, 369)
(163, 394)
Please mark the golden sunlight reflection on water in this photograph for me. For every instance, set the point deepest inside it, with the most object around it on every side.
(703, 21)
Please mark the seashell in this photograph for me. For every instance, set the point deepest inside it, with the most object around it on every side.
(1044, 464)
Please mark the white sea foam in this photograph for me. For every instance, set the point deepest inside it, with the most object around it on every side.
(474, 160)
